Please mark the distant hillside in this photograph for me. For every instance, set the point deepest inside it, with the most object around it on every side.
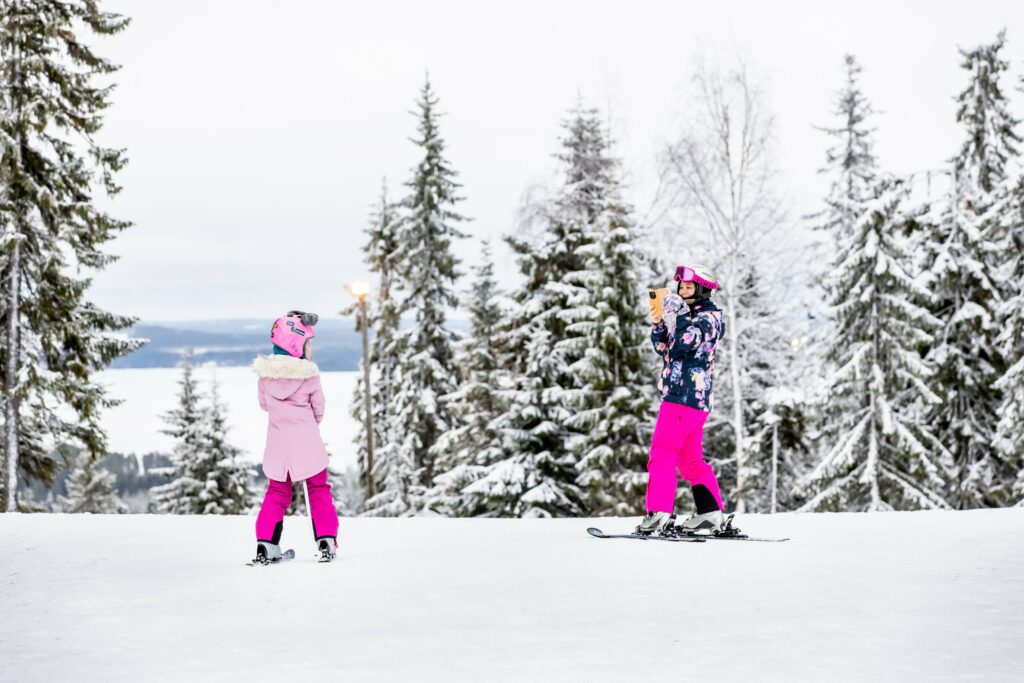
(338, 347)
(235, 342)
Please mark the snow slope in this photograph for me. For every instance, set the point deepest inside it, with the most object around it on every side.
(899, 596)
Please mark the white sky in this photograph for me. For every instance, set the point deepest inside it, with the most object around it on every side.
(259, 131)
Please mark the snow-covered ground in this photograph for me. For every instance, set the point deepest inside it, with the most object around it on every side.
(900, 596)
(134, 426)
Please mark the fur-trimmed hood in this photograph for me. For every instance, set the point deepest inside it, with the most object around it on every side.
(284, 367)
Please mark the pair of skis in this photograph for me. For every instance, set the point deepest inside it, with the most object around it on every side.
(285, 556)
(326, 555)
(729, 533)
(677, 535)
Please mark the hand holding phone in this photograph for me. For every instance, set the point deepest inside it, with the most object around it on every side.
(656, 304)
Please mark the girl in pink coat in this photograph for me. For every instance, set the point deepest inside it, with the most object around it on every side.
(289, 391)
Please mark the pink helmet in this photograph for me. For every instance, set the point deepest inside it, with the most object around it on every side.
(290, 332)
(698, 274)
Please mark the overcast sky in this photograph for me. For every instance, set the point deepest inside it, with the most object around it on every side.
(258, 132)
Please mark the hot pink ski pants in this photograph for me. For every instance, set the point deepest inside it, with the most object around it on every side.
(270, 521)
(678, 444)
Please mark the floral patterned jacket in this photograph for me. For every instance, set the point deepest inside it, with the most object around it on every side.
(689, 355)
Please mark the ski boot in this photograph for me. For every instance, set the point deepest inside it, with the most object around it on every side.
(328, 548)
(713, 522)
(655, 522)
(267, 553)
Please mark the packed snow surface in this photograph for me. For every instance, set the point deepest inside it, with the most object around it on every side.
(898, 596)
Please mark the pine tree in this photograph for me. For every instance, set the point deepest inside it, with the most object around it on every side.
(882, 457)
(966, 297)
(850, 161)
(52, 233)
(1011, 341)
(208, 474)
(187, 426)
(424, 371)
(852, 169)
(227, 486)
(91, 489)
(391, 473)
(539, 476)
(473, 443)
(991, 137)
(607, 345)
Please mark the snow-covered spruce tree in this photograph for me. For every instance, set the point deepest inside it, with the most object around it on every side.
(1011, 339)
(538, 477)
(391, 473)
(964, 253)
(52, 100)
(427, 268)
(851, 167)
(883, 457)
(850, 162)
(852, 170)
(607, 344)
(474, 443)
(227, 486)
(91, 489)
(208, 474)
(186, 424)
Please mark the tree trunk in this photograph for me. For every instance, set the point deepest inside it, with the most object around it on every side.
(367, 399)
(11, 380)
(737, 409)
(876, 500)
(775, 466)
(13, 346)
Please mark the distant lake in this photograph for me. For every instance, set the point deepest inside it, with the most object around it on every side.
(134, 426)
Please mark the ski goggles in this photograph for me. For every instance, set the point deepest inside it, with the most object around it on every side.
(687, 274)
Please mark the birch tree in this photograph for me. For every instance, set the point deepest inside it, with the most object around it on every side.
(722, 167)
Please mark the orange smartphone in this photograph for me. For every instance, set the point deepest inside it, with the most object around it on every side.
(656, 301)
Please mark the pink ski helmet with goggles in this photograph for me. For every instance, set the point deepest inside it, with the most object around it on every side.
(698, 275)
(291, 331)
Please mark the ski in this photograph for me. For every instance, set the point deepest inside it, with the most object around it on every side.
(597, 533)
(731, 537)
(285, 556)
(729, 533)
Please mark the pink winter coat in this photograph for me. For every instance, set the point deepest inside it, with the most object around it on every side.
(289, 390)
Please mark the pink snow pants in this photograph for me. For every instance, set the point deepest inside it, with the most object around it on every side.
(678, 444)
(270, 521)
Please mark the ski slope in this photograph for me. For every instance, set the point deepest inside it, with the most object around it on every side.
(900, 596)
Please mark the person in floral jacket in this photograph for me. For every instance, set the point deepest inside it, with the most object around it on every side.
(685, 384)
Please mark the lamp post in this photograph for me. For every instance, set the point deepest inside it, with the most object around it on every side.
(360, 290)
